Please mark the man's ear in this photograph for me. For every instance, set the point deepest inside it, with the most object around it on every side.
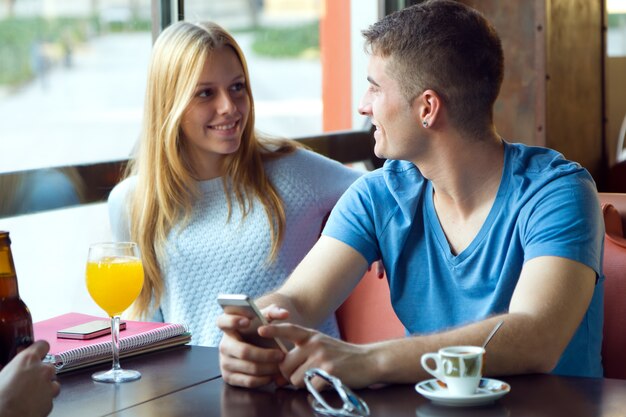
(427, 106)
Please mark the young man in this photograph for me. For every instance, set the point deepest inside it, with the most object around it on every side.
(471, 229)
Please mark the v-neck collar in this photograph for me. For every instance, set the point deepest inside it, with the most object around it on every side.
(435, 225)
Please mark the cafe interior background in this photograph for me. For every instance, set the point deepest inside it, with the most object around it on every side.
(72, 80)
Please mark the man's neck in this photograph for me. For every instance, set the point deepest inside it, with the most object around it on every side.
(465, 173)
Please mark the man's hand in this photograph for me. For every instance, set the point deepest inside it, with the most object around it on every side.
(243, 364)
(27, 385)
(313, 349)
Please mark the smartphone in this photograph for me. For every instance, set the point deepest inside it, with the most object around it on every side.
(244, 305)
(89, 330)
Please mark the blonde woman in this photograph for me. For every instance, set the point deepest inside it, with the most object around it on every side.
(215, 207)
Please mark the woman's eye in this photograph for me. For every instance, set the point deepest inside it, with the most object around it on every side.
(205, 93)
(238, 87)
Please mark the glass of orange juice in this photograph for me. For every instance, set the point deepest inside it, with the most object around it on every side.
(114, 280)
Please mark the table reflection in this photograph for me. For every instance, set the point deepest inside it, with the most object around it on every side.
(236, 402)
(541, 397)
(491, 410)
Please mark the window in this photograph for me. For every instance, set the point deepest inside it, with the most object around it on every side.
(615, 79)
(72, 77)
(71, 80)
(616, 33)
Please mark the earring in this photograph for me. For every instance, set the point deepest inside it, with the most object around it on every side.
(424, 123)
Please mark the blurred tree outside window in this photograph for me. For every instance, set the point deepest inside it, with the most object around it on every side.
(72, 79)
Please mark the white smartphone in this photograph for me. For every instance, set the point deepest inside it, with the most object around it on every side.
(89, 330)
(244, 305)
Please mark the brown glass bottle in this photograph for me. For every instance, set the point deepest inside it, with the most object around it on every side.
(16, 324)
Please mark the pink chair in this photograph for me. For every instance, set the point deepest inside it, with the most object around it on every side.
(614, 264)
(367, 316)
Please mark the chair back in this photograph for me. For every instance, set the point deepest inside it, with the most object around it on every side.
(614, 265)
(367, 315)
(617, 200)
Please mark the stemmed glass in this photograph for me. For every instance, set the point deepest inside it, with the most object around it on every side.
(114, 279)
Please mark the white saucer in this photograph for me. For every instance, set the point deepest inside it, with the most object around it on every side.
(488, 391)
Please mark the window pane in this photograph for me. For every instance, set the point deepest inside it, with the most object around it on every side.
(616, 33)
(72, 78)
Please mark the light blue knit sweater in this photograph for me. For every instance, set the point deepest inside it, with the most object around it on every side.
(211, 256)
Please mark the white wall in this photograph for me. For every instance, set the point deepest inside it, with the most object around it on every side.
(50, 251)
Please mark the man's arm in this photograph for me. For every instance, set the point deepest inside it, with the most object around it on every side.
(320, 283)
(548, 304)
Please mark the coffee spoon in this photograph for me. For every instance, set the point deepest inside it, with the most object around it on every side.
(495, 329)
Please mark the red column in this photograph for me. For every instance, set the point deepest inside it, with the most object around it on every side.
(336, 67)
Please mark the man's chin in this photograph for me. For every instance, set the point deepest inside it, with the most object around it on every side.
(379, 152)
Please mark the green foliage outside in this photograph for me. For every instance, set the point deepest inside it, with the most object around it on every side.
(287, 42)
(135, 25)
(616, 20)
(21, 37)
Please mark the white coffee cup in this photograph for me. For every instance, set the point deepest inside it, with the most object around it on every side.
(459, 367)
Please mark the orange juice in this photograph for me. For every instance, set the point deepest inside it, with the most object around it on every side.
(114, 282)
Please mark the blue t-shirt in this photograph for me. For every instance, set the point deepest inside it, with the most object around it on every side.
(545, 206)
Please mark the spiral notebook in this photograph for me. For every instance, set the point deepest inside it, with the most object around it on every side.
(139, 337)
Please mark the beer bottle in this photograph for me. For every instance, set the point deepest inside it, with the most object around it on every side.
(16, 324)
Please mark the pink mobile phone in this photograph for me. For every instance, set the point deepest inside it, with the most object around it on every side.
(242, 304)
(89, 330)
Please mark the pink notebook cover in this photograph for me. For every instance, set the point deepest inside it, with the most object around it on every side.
(47, 330)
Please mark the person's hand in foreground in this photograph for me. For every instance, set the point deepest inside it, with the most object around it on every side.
(243, 364)
(27, 385)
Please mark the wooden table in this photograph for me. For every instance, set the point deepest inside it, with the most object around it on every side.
(162, 373)
(185, 382)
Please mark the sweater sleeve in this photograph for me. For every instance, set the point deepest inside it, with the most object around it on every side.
(328, 179)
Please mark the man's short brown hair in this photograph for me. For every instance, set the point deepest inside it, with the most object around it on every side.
(448, 47)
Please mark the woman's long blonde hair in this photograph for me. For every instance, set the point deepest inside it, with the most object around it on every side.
(166, 187)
